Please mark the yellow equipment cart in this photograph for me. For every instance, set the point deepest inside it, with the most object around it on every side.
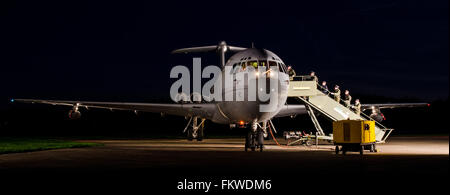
(354, 135)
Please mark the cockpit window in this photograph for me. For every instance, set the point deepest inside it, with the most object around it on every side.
(242, 66)
(236, 67)
(272, 63)
(282, 67)
(262, 63)
(253, 63)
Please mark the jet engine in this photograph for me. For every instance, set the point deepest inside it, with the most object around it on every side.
(74, 114)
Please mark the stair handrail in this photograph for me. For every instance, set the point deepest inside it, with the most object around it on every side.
(317, 108)
(342, 101)
(323, 89)
(303, 78)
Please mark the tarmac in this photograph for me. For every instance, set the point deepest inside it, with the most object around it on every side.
(401, 158)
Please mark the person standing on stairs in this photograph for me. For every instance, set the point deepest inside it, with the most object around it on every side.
(337, 94)
(314, 77)
(347, 99)
(324, 87)
(291, 73)
(357, 107)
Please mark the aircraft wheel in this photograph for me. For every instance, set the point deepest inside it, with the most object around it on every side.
(190, 136)
(200, 134)
(337, 150)
(253, 148)
(361, 150)
(260, 136)
(247, 141)
(344, 150)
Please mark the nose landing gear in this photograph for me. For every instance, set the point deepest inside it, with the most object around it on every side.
(195, 131)
(255, 138)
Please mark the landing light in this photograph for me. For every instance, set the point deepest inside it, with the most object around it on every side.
(12, 100)
(241, 122)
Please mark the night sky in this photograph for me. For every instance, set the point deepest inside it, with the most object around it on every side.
(120, 51)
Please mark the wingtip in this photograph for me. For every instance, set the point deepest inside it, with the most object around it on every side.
(177, 51)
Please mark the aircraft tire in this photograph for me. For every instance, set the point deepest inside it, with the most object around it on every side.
(189, 134)
(260, 136)
(200, 134)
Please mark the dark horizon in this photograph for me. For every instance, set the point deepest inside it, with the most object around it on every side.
(121, 51)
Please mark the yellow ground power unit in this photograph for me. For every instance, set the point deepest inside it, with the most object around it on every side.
(354, 135)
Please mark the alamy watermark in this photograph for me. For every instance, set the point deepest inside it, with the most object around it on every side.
(240, 82)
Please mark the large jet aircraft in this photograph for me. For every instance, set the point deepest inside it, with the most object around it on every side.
(235, 113)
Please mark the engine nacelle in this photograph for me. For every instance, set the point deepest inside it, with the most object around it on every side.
(74, 114)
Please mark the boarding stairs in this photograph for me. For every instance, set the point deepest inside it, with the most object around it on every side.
(305, 88)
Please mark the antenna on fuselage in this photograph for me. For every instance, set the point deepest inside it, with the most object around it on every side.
(221, 49)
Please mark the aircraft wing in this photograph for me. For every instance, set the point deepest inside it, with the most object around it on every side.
(393, 105)
(202, 110)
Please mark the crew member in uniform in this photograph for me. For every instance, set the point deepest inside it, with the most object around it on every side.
(357, 107)
(324, 87)
(337, 94)
(313, 76)
(347, 99)
(291, 72)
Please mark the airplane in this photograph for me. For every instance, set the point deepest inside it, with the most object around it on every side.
(245, 114)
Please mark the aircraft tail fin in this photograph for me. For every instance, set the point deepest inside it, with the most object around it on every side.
(222, 46)
(195, 49)
(221, 49)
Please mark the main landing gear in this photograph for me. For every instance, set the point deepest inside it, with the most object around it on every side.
(255, 137)
(195, 130)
